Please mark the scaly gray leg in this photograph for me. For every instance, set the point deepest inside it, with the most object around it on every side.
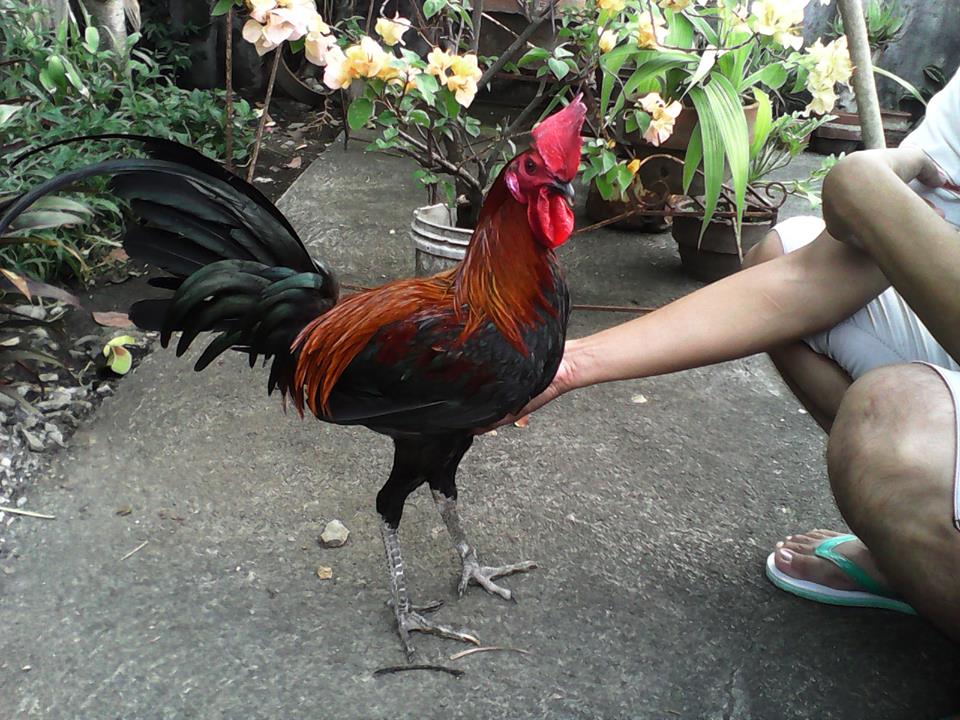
(473, 571)
(408, 619)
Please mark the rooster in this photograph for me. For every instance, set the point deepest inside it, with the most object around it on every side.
(425, 361)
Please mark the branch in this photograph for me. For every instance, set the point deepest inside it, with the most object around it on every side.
(515, 46)
(477, 20)
(439, 160)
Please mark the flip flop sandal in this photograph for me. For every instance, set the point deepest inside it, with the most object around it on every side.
(871, 594)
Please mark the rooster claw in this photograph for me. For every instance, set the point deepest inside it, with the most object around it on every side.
(413, 621)
(484, 575)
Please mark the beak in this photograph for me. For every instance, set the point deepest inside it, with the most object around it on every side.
(565, 189)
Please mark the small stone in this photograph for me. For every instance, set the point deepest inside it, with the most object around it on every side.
(638, 399)
(104, 389)
(324, 572)
(334, 535)
(49, 377)
(33, 441)
(32, 311)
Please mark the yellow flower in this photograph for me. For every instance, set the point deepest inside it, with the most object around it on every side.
(675, 5)
(634, 166)
(613, 5)
(832, 61)
(338, 73)
(824, 97)
(318, 41)
(608, 40)
(662, 117)
(780, 19)
(650, 32)
(392, 30)
(367, 59)
(463, 81)
(438, 62)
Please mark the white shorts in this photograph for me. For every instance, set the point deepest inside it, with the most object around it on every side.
(883, 332)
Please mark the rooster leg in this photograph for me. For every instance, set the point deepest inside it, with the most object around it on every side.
(473, 571)
(408, 619)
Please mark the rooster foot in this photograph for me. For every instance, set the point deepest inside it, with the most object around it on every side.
(412, 621)
(428, 607)
(484, 575)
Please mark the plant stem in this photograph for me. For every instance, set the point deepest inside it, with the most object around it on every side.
(477, 20)
(515, 46)
(228, 85)
(864, 85)
(263, 118)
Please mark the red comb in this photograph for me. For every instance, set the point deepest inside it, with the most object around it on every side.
(557, 139)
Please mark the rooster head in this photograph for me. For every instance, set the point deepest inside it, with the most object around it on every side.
(541, 178)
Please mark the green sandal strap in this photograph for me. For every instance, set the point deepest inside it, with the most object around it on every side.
(853, 571)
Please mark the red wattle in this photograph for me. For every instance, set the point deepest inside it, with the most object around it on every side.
(551, 218)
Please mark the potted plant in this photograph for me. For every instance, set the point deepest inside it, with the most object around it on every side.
(711, 250)
(685, 79)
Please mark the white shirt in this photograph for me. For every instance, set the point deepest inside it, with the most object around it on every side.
(939, 137)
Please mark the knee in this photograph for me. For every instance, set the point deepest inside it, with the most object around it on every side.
(878, 443)
(767, 249)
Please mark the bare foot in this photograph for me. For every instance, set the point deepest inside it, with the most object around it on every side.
(794, 556)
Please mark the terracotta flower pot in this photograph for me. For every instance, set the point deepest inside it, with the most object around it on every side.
(843, 134)
(716, 255)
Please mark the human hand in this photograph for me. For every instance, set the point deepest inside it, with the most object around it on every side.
(846, 187)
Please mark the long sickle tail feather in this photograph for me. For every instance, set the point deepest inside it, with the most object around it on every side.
(237, 267)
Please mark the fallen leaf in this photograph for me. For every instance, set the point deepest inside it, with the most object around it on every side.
(112, 319)
(118, 255)
(295, 163)
(18, 282)
(324, 572)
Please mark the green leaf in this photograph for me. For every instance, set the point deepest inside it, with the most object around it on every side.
(706, 63)
(419, 117)
(119, 359)
(432, 7)
(91, 38)
(359, 112)
(731, 123)
(533, 56)
(7, 112)
(450, 107)
(427, 85)
(900, 81)
(606, 88)
(712, 151)
(221, 7)
(558, 68)
(615, 59)
(763, 123)
(773, 76)
(692, 159)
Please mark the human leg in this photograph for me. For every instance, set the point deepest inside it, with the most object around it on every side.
(892, 463)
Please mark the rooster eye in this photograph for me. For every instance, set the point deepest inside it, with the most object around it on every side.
(529, 166)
